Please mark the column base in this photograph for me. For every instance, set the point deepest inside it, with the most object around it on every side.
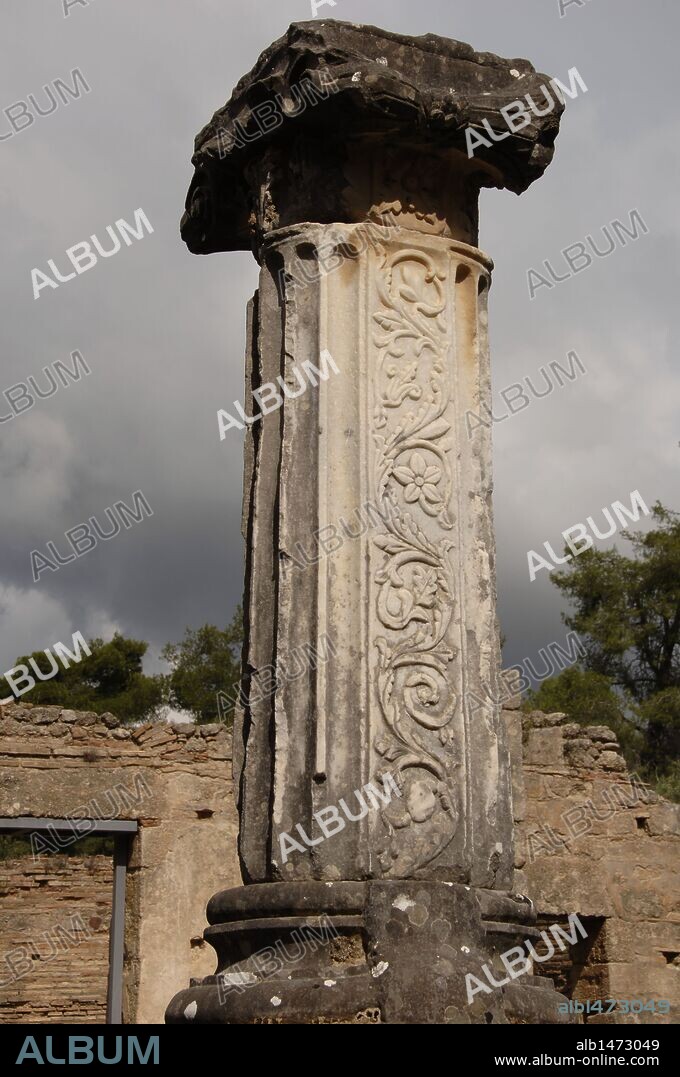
(375, 952)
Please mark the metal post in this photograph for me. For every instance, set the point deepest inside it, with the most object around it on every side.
(114, 995)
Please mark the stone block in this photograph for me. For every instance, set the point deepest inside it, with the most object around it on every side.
(611, 761)
(600, 733)
(545, 748)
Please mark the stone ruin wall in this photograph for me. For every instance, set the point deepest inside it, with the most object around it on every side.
(591, 841)
(60, 905)
(578, 850)
(176, 782)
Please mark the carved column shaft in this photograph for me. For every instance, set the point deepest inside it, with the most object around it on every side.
(369, 536)
(377, 463)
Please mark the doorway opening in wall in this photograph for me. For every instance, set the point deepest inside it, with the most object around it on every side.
(580, 971)
(62, 919)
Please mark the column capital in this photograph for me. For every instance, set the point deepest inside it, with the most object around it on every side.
(335, 121)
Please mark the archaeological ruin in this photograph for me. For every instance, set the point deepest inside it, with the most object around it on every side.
(375, 842)
(160, 791)
(419, 890)
(588, 840)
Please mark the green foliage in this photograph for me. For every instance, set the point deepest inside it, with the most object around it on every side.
(16, 846)
(668, 785)
(110, 679)
(205, 662)
(661, 715)
(629, 608)
(627, 612)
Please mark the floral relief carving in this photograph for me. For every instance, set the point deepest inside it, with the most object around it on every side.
(420, 481)
(415, 594)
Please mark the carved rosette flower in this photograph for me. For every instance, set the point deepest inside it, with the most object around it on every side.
(420, 482)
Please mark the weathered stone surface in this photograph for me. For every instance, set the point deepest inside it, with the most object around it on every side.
(611, 761)
(660, 819)
(617, 872)
(408, 660)
(513, 726)
(53, 765)
(397, 950)
(539, 720)
(362, 212)
(600, 732)
(54, 925)
(601, 844)
(512, 696)
(544, 748)
(426, 90)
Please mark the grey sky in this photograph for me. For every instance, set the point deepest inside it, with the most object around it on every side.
(163, 331)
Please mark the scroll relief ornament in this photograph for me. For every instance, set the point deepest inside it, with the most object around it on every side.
(415, 582)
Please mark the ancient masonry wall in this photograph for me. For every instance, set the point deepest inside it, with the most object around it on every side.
(593, 840)
(48, 909)
(589, 841)
(176, 782)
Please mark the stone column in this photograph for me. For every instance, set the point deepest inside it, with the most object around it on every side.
(374, 781)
